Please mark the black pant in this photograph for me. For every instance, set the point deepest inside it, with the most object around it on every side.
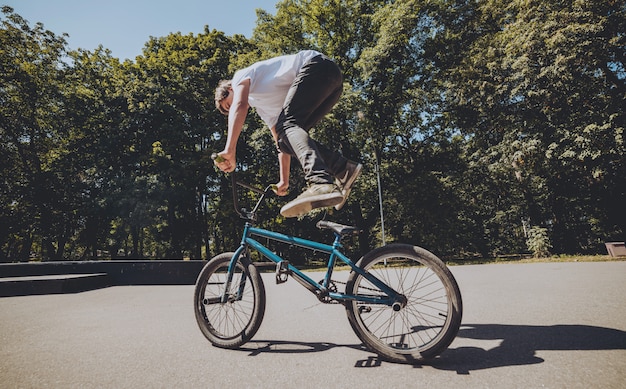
(312, 95)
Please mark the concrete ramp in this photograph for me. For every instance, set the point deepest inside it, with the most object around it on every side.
(52, 284)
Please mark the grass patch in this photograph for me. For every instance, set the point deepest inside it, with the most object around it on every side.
(526, 259)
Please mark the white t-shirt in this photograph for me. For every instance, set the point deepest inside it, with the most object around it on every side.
(270, 81)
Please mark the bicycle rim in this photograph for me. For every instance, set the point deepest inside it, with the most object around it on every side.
(428, 322)
(234, 322)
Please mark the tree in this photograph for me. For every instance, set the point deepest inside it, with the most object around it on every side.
(539, 95)
(31, 135)
(173, 126)
(95, 146)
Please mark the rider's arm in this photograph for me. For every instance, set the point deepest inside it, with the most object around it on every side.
(237, 113)
(284, 163)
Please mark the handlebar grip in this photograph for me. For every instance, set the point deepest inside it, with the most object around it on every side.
(217, 158)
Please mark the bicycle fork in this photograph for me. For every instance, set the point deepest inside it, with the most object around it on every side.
(227, 296)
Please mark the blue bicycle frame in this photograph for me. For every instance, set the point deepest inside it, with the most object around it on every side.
(389, 298)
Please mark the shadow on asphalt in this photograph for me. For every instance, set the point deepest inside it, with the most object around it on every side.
(257, 347)
(519, 343)
(518, 346)
(289, 347)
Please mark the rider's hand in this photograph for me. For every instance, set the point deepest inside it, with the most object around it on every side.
(227, 162)
(281, 188)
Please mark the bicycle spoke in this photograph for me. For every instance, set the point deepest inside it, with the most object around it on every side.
(423, 325)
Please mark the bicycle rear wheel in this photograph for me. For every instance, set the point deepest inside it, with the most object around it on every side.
(234, 322)
(429, 321)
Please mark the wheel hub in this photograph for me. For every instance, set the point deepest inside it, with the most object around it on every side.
(400, 304)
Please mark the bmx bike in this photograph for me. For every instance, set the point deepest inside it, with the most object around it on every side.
(401, 300)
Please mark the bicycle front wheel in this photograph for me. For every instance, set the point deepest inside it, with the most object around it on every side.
(233, 322)
(428, 322)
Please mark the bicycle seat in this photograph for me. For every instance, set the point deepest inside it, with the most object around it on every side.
(337, 228)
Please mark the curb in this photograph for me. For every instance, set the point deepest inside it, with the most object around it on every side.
(23, 279)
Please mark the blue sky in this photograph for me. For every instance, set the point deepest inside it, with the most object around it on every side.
(124, 26)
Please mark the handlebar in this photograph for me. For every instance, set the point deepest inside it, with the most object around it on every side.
(242, 212)
(217, 158)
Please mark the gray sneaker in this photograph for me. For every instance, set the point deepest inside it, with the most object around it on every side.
(345, 179)
(317, 196)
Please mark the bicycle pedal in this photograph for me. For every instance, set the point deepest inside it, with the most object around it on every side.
(282, 271)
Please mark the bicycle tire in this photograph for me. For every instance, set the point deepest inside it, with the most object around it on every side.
(233, 323)
(429, 321)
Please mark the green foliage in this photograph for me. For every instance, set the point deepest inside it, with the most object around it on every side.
(538, 242)
(36, 196)
(478, 115)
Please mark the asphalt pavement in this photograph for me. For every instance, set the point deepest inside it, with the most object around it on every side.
(543, 325)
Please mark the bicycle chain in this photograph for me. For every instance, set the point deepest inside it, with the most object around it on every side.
(328, 300)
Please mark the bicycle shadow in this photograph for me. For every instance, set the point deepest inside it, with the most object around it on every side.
(292, 347)
(518, 345)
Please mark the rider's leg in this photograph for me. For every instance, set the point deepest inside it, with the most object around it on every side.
(313, 93)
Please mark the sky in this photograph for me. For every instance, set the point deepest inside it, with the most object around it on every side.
(124, 26)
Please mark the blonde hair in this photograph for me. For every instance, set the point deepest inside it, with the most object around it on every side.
(221, 92)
